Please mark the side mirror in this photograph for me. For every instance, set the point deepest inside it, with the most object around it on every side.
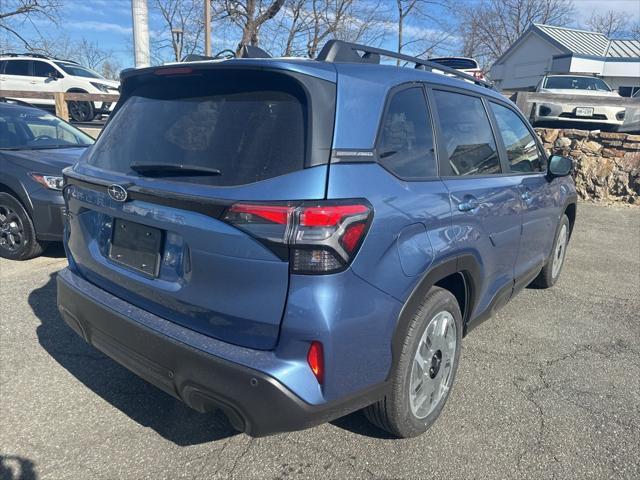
(560, 166)
(53, 75)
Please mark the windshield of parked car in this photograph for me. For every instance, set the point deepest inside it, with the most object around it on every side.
(33, 129)
(458, 63)
(78, 70)
(576, 83)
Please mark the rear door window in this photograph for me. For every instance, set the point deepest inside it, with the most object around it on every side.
(405, 146)
(466, 131)
(17, 67)
(522, 149)
(249, 126)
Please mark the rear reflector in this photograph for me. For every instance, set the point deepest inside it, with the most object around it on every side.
(321, 237)
(315, 359)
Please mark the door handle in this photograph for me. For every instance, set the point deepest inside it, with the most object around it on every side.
(526, 196)
(468, 205)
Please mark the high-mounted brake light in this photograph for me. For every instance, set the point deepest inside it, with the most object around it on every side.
(317, 237)
(315, 359)
(173, 71)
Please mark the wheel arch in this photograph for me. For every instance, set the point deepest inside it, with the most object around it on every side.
(459, 275)
(20, 195)
(570, 210)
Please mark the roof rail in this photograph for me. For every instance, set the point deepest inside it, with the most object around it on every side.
(338, 51)
(36, 55)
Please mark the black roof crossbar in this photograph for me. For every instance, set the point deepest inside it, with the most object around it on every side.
(338, 51)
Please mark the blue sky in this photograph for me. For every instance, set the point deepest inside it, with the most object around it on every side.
(108, 22)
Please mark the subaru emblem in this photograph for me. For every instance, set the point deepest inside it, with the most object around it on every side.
(117, 192)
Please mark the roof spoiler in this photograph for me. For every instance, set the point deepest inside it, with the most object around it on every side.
(338, 51)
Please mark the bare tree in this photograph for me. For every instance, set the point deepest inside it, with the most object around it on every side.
(635, 31)
(183, 27)
(85, 52)
(111, 69)
(429, 30)
(303, 26)
(295, 15)
(490, 27)
(611, 23)
(249, 16)
(16, 12)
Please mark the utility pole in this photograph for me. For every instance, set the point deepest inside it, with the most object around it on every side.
(207, 28)
(140, 14)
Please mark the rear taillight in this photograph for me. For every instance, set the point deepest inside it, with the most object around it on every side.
(320, 237)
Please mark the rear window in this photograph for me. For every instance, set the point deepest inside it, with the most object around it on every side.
(247, 125)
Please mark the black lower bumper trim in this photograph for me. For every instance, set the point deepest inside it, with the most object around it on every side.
(254, 402)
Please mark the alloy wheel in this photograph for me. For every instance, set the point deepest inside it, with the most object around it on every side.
(432, 365)
(11, 230)
(559, 251)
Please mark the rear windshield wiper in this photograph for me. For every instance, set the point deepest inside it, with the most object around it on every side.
(172, 169)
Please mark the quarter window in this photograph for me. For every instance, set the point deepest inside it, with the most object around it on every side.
(406, 141)
(17, 67)
(467, 135)
(521, 147)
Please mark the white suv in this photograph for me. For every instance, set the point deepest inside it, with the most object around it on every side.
(581, 105)
(37, 73)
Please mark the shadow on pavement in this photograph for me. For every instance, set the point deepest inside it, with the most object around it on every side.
(358, 424)
(16, 468)
(139, 400)
(54, 250)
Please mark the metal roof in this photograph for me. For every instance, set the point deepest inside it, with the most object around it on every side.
(577, 41)
(624, 49)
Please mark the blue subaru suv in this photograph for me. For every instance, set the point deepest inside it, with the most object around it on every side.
(292, 240)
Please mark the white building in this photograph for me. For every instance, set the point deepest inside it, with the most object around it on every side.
(543, 48)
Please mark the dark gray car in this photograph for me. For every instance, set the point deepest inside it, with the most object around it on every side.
(34, 148)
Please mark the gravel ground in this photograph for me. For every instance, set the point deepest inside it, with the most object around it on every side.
(549, 388)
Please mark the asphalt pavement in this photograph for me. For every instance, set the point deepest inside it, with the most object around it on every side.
(548, 388)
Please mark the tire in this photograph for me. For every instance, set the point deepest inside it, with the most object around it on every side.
(81, 111)
(550, 273)
(401, 413)
(17, 235)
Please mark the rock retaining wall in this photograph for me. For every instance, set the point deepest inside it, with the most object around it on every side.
(606, 164)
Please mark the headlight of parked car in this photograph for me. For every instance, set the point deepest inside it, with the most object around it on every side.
(100, 86)
(51, 182)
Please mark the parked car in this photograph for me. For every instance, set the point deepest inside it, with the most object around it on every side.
(38, 73)
(582, 111)
(34, 148)
(291, 240)
(463, 64)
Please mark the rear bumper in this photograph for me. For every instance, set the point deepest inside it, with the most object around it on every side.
(254, 402)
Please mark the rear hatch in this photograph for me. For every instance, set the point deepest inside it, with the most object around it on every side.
(148, 204)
